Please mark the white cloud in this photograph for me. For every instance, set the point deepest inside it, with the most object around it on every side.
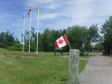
(80, 12)
(53, 6)
(48, 16)
(57, 14)
(38, 3)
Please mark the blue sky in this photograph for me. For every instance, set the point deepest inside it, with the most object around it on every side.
(53, 14)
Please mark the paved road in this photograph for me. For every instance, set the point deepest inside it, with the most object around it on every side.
(97, 71)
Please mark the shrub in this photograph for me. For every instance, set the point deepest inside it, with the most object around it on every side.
(16, 47)
(2, 45)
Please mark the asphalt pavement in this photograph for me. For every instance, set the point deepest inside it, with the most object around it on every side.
(97, 71)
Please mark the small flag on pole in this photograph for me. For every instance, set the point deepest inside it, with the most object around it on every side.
(29, 10)
(37, 10)
(61, 42)
(23, 17)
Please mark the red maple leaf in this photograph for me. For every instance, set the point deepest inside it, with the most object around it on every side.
(60, 41)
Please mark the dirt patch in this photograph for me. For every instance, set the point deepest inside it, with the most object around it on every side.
(22, 56)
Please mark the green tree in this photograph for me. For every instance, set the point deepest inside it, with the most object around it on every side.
(76, 36)
(46, 40)
(7, 38)
(33, 40)
(98, 46)
(16, 46)
(106, 29)
(2, 45)
(80, 37)
(92, 36)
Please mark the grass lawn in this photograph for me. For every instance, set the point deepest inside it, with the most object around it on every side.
(46, 69)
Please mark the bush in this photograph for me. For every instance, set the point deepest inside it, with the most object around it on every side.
(2, 45)
(32, 49)
(16, 47)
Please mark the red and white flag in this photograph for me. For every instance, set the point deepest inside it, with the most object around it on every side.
(61, 42)
(29, 10)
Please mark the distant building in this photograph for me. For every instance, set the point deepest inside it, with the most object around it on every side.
(95, 49)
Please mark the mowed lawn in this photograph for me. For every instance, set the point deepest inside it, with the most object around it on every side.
(46, 69)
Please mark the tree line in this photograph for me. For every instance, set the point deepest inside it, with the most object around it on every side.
(79, 37)
(7, 40)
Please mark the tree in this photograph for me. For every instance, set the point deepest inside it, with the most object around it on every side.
(106, 29)
(92, 36)
(77, 36)
(2, 45)
(46, 40)
(7, 38)
(16, 46)
(98, 46)
(80, 37)
(33, 40)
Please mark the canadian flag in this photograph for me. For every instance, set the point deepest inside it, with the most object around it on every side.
(29, 10)
(61, 42)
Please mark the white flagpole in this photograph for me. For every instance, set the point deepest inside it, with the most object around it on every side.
(37, 30)
(30, 28)
(23, 31)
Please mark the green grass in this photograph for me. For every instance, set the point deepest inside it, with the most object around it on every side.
(47, 69)
(84, 56)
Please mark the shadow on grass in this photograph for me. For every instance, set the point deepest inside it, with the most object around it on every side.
(66, 54)
(64, 81)
(92, 55)
(58, 55)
